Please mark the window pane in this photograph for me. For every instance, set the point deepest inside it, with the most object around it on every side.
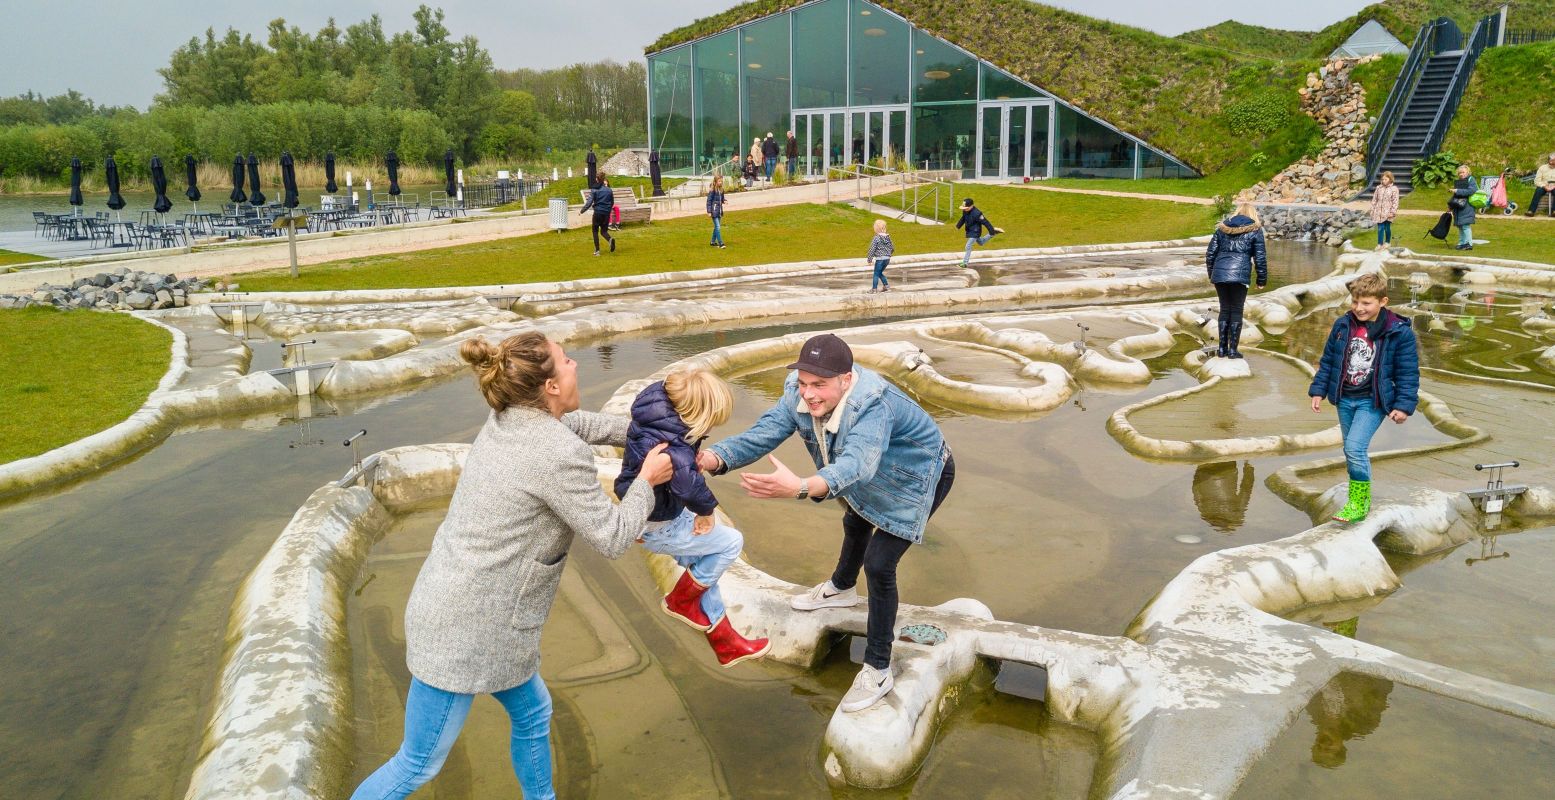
(943, 137)
(857, 134)
(1039, 139)
(1088, 149)
(1156, 165)
(764, 55)
(670, 96)
(718, 100)
(821, 54)
(999, 85)
(879, 56)
(941, 72)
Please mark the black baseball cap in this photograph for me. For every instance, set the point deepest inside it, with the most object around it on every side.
(826, 355)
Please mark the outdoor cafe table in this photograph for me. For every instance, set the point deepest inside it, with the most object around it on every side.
(120, 233)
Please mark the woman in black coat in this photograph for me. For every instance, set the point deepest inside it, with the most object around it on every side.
(1462, 211)
(1235, 249)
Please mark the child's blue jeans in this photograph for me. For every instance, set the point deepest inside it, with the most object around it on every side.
(718, 231)
(1359, 419)
(1384, 232)
(969, 241)
(706, 556)
(1466, 235)
(433, 719)
(879, 279)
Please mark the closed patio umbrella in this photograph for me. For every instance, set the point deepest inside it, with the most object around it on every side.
(392, 161)
(329, 173)
(111, 176)
(75, 184)
(237, 195)
(288, 181)
(589, 164)
(161, 204)
(256, 196)
(449, 184)
(192, 178)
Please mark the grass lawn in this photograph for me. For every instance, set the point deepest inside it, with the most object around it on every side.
(11, 258)
(1520, 240)
(1436, 199)
(788, 233)
(1228, 181)
(69, 374)
(570, 187)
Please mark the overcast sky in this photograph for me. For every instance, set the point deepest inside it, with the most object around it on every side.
(110, 51)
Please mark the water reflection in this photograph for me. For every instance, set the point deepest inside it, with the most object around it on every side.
(1349, 707)
(1222, 492)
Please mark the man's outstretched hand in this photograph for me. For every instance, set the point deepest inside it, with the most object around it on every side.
(781, 482)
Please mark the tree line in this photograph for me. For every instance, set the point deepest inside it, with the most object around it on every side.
(356, 92)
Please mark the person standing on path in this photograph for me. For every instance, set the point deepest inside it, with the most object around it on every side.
(769, 155)
(1384, 207)
(1543, 184)
(715, 209)
(884, 459)
(602, 200)
(473, 622)
(974, 222)
(791, 154)
(880, 252)
(1234, 250)
(1370, 371)
(749, 171)
(756, 154)
(1462, 210)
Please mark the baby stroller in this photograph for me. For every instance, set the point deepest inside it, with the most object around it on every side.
(1495, 187)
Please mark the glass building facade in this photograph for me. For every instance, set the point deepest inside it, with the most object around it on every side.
(859, 84)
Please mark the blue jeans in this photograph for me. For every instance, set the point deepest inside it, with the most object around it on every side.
(1466, 235)
(879, 279)
(1384, 232)
(1359, 419)
(718, 230)
(771, 166)
(433, 719)
(969, 240)
(705, 556)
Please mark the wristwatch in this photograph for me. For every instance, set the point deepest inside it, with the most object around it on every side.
(804, 490)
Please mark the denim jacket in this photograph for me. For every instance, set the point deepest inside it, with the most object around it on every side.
(884, 459)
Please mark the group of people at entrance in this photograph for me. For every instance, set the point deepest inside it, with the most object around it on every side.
(1370, 368)
(530, 485)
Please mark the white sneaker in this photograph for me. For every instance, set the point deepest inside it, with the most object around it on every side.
(825, 596)
(868, 687)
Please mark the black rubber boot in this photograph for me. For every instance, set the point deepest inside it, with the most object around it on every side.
(1220, 341)
(1233, 338)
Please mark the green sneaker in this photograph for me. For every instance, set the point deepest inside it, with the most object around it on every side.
(1359, 505)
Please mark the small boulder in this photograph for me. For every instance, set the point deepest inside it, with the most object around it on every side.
(139, 301)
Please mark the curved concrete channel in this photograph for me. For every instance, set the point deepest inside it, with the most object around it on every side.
(1211, 658)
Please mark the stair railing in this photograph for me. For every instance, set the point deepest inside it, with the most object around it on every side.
(1460, 81)
(1392, 112)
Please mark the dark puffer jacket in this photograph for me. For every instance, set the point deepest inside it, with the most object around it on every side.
(655, 420)
(1395, 384)
(1235, 249)
(974, 222)
(601, 199)
(1463, 189)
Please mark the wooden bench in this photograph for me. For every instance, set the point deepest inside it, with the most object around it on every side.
(626, 200)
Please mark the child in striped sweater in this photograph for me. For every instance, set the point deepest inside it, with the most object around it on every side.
(880, 250)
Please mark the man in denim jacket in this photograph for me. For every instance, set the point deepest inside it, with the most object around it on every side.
(879, 454)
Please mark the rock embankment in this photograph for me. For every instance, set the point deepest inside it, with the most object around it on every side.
(120, 290)
(1336, 174)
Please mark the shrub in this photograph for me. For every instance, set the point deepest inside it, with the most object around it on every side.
(1432, 171)
(1259, 115)
(1257, 160)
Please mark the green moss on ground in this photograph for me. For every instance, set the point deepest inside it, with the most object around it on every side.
(70, 374)
(761, 236)
(569, 189)
(11, 258)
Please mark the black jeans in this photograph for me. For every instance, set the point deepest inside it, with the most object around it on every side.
(601, 225)
(1232, 297)
(864, 545)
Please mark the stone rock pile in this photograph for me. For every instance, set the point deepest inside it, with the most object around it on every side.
(1339, 105)
(1325, 225)
(627, 162)
(120, 290)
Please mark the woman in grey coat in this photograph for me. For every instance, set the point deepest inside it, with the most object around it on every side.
(1462, 210)
(473, 622)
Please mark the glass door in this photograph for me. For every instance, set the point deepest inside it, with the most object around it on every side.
(990, 142)
(1015, 146)
(1013, 140)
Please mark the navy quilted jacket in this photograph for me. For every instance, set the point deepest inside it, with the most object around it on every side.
(655, 420)
(1235, 249)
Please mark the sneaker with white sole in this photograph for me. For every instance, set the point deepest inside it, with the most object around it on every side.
(825, 596)
(868, 687)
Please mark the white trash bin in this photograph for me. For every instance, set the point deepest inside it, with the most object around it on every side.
(558, 213)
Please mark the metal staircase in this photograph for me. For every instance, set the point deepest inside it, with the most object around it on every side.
(1424, 99)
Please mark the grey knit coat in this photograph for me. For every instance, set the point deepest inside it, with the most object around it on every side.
(529, 484)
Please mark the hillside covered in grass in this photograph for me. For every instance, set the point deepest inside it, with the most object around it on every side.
(1253, 40)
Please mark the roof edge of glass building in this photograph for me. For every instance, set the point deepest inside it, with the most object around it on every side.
(857, 83)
